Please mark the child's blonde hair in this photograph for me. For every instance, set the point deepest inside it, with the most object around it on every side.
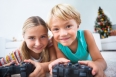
(31, 22)
(64, 12)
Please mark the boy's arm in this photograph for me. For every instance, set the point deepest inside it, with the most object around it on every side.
(98, 63)
(94, 51)
(61, 57)
(59, 54)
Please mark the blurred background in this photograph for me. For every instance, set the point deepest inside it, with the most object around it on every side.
(13, 13)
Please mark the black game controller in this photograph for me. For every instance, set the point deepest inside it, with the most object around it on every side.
(71, 70)
(24, 70)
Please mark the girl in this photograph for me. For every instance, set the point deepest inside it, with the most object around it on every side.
(71, 43)
(36, 46)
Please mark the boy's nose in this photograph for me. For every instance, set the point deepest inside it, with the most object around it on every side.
(63, 32)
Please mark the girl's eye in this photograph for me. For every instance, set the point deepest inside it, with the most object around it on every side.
(68, 26)
(32, 38)
(43, 36)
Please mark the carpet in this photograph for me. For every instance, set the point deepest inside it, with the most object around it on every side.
(110, 58)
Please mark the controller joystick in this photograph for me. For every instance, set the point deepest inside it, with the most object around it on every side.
(24, 70)
(72, 70)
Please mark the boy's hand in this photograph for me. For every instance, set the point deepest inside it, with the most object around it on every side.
(39, 71)
(96, 71)
(57, 61)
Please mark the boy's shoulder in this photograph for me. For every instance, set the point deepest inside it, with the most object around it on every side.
(84, 31)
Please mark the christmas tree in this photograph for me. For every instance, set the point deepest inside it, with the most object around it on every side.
(103, 25)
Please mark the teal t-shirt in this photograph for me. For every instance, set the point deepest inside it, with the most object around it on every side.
(81, 53)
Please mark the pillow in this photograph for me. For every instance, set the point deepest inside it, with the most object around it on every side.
(113, 33)
(114, 27)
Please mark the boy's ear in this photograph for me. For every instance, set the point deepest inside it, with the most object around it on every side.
(77, 26)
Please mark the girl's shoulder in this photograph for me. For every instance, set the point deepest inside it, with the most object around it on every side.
(14, 55)
(50, 42)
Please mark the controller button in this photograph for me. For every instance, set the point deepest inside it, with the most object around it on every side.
(82, 74)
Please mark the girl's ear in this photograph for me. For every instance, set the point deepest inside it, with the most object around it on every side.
(23, 35)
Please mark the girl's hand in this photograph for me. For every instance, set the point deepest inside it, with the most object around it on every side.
(39, 71)
(57, 61)
(12, 62)
(96, 71)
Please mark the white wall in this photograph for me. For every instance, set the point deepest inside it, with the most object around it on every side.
(13, 13)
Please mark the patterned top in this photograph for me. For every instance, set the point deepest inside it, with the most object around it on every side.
(81, 53)
(15, 55)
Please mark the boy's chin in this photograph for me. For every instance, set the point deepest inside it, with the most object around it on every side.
(65, 44)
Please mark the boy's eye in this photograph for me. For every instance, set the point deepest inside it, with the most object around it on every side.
(55, 29)
(68, 26)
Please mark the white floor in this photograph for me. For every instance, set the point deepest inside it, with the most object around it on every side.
(110, 57)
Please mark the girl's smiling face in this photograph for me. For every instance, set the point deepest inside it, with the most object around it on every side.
(36, 38)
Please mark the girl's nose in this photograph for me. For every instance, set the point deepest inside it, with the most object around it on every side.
(37, 42)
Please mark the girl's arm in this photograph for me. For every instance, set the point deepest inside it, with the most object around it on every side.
(98, 63)
(40, 68)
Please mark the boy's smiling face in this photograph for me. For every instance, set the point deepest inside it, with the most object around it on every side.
(64, 31)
